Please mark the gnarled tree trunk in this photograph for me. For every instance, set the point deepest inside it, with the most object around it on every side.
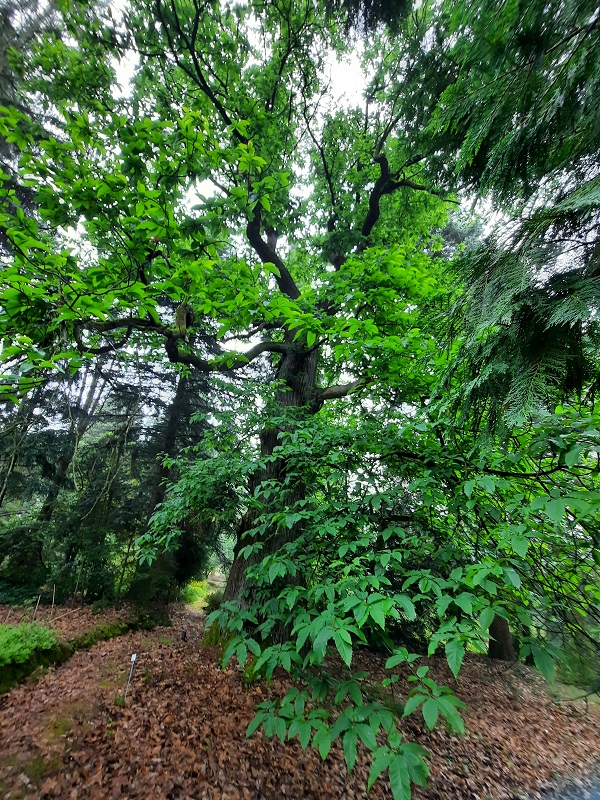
(297, 373)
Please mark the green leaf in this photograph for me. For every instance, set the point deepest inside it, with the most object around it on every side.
(413, 702)
(396, 659)
(407, 605)
(399, 778)
(443, 603)
(280, 729)
(464, 601)
(543, 661)
(378, 615)
(367, 736)
(417, 768)
(455, 652)
(304, 735)
(230, 651)
(573, 455)
(487, 483)
(513, 577)
(486, 618)
(448, 709)
(382, 759)
(322, 740)
(291, 598)
(520, 545)
(322, 638)
(344, 648)
(255, 724)
(430, 712)
(241, 654)
(349, 742)
(555, 509)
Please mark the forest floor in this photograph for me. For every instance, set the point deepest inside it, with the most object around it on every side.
(181, 732)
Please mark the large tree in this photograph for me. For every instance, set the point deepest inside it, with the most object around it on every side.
(232, 197)
(300, 274)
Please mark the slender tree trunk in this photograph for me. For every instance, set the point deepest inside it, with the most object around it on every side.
(87, 403)
(19, 430)
(177, 413)
(501, 644)
(60, 474)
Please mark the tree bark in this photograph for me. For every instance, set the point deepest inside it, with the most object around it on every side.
(178, 412)
(501, 644)
(297, 372)
(19, 428)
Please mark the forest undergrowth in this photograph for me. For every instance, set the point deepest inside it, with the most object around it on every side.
(69, 733)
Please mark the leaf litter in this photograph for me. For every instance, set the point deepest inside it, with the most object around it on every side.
(181, 733)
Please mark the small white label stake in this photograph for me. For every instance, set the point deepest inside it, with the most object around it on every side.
(133, 658)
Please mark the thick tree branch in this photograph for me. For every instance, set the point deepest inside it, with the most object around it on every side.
(419, 187)
(433, 462)
(378, 190)
(242, 359)
(137, 323)
(172, 339)
(387, 184)
(268, 256)
(340, 390)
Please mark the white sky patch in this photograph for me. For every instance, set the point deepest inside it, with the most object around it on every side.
(348, 81)
(125, 68)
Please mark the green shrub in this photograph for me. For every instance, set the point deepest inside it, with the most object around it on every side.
(12, 595)
(194, 591)
(154, 616)
(19, 642)
(580, 665)
(98, 606)
(213, 601)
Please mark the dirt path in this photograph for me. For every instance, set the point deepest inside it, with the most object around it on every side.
(181, 733)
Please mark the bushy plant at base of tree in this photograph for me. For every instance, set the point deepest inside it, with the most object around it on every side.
(391, 531)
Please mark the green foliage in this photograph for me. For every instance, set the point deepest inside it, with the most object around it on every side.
(389, 522)
(16, 595)
(19, 642)
(519, 105)
(580, 665)
(367, 15)
(194, 591)
(213, 601)
(370, 556)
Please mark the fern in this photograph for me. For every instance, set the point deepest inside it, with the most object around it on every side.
(531, 310)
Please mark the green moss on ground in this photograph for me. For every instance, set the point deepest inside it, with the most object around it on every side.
(46, 654)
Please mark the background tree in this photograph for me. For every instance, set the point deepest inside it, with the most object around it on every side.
(502, 99)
